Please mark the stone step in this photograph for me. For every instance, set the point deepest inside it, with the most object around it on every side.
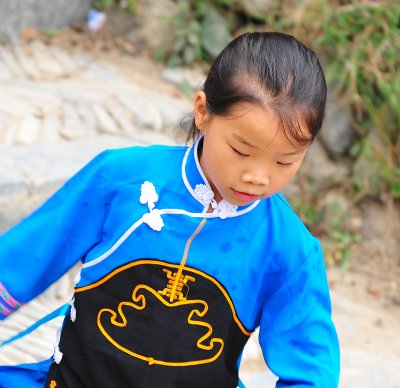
(40, 83)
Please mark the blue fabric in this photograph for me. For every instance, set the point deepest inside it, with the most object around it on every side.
(24, 375)
(271, 267)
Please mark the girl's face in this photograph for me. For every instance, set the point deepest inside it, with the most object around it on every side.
(245, 154)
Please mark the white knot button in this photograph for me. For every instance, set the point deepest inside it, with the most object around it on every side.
(148, 194)
(225, 209)
(154, 220)
(205, 195)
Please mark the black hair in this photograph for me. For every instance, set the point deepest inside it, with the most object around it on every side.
(272, 70)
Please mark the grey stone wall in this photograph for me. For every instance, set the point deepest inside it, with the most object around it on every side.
(15, 15)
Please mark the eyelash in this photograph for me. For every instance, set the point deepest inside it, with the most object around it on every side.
(238, 152)
(279, 163)
(284, 164)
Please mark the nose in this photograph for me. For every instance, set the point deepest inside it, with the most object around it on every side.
(256, 178)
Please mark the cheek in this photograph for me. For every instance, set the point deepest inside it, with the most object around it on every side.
(212, 165)
(218, 159)
(291, 174)
(284, 177)
(210, 161)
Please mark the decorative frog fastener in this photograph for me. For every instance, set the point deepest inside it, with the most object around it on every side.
(205, 195)
(149, 195)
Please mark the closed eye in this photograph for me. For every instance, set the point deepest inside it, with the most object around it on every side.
(284, 164)
(238, 152)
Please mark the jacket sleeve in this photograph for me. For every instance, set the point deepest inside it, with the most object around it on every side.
(297, 335)
(46, 244)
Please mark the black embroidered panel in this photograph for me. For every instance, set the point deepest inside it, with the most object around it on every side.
(151, 324)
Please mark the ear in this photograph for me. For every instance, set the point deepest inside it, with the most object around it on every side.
(200, 111)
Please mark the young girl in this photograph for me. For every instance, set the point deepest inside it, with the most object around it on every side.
(187, 250)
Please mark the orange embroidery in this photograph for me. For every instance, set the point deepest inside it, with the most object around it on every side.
(200, 308)
(138, 263)
(173, 291)
(178, 275)
(175, 285)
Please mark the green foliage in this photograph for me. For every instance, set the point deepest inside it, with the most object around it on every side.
(366, 68)
(104, 4)
(359, 41)
(129, 5)
(52, 32)
(326, 216)
(4, 39)
(337, 247)
(200, 32)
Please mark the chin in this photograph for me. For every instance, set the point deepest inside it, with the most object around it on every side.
(237, 202)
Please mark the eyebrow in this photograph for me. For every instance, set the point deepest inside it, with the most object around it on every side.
(244, 141)
(296, 152)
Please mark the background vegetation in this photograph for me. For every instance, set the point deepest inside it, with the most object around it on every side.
(359, 43)
(103, 5)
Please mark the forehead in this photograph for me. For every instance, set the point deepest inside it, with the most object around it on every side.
(261, 127)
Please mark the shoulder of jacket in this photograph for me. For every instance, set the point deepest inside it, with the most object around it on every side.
(143, 151)
(287, 219)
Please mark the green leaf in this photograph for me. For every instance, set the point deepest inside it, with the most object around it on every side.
(223, 2)
(174, 61)
(4, 39)
(395, 189)
(216, 33)
(131, 6)
(189, 55)
(104, 4)
(52, 32)
(160, 54)
(187, 89)
(179, 44)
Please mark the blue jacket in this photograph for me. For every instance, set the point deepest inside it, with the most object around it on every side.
(169, 293)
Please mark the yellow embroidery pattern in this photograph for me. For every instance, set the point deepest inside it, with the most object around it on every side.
(139, 303)
(175, 285)
(177, 280)
(156, 262)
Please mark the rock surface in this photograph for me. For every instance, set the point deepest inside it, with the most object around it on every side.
(44, 15)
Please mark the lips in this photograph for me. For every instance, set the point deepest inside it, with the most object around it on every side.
(245, 197)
